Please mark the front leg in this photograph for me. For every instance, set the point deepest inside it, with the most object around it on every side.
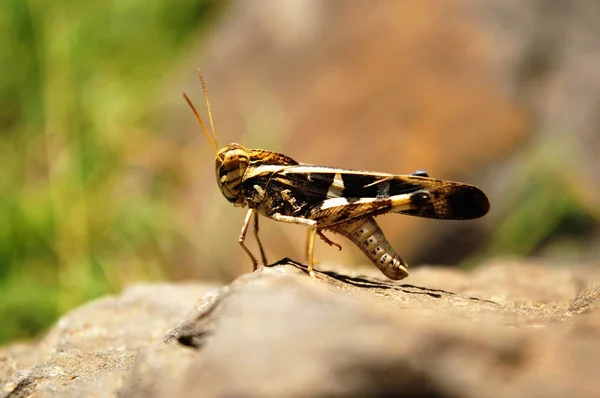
(242, 238)
(260, 246)
(310, 241)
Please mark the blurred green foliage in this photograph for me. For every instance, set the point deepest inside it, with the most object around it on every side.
(548, 214)
(76, 87)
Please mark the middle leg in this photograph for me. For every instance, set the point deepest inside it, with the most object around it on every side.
(310, 242)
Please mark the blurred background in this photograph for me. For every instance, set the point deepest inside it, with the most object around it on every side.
(106, 179)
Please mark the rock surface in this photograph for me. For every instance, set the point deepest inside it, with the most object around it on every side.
(504, 329)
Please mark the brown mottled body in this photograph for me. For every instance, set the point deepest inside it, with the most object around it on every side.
(342, 201)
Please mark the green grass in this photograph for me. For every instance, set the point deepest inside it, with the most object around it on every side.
(77, 217)
(546, 205)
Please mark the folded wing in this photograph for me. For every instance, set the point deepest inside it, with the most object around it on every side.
(449, 200)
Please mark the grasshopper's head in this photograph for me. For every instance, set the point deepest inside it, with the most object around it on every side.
(231, 161)
(230, 165)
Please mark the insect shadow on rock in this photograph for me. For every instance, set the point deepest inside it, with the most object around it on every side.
(323, 198)
(364, 282)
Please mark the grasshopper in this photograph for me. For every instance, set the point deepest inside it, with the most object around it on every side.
(323, 198)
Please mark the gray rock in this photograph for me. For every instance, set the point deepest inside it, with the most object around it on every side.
(505, 329)
(90, 351)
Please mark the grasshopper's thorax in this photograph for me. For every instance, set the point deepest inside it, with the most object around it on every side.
(230, 165)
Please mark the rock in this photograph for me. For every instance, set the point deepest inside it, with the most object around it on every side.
(91, 350)
(504, 329)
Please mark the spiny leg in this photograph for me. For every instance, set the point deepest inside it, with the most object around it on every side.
(334, 211)
(260, 246)
(310, 242)
(243, 237)
(328, 241)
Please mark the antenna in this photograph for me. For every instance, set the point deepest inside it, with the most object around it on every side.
(210, 118)
(211, 139)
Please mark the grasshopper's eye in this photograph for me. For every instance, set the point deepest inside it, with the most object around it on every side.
(231, 161)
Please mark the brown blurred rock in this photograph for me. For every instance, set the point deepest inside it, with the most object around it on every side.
(506, 329)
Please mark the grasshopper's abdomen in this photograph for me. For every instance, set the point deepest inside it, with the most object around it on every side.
(367, 235)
